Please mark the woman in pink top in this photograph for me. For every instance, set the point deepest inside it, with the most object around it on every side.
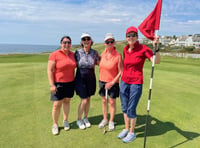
(110, 68)
(60, 70)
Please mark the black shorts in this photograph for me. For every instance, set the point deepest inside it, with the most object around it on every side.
(113, 92)
(64, 90)
(85, 85)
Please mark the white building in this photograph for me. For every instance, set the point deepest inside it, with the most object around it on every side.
(189, 40)
(196, 40)
(181, 40)
(165, 40)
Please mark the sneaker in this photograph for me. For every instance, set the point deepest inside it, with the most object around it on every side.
(87, 123)
(130, 137)
(111, 126)
(103, 123)
(55, 130)
(123, 134)
(66, 125)
(80, 124)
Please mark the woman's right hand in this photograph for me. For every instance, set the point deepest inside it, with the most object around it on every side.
(53, 89)
(109, 85)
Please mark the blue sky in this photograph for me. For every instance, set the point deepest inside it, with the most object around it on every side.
(46, 21)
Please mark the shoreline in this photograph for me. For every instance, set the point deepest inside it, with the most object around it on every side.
(42, 53)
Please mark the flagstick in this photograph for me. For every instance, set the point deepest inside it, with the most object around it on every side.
(150, 91)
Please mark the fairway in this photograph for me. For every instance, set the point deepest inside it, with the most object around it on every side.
(25, 107)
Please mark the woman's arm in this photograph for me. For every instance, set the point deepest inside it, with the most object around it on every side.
(50, 71)
(156, 43)
(120, 70)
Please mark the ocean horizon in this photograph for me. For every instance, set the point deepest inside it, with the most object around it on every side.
(26, 48)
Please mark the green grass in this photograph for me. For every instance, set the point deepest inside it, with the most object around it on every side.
(26, 109)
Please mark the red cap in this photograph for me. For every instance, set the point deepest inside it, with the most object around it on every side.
(131, 29)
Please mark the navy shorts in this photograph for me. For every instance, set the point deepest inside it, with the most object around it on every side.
(64, 90)
(130, 95)
(85, 85)
(113, 92)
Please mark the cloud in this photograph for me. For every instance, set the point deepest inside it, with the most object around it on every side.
(52, 18)
(191, 22)
(41, 11)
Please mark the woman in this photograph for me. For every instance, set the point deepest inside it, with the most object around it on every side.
(110, 68)
(132, 80)
(85, 81)
(60, 70)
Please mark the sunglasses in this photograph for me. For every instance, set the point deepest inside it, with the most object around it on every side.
(131, 35)
(107, 42)
(86, 39)
(66, 42)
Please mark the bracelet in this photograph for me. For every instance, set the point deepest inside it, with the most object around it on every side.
(52, 85)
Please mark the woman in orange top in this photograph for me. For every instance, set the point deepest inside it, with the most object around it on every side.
(110, 68)
(60, 70)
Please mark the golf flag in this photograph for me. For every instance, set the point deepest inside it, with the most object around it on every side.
(152, 22)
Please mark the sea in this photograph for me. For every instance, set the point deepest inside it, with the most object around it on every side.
(26, 49)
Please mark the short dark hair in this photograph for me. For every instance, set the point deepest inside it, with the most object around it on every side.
(64, 38)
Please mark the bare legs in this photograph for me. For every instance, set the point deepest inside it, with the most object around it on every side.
(132, 123)
(56, 110)
(105, 108)
(84, 107)
(66, 109)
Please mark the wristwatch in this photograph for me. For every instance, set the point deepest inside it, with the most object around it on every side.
(157, 50)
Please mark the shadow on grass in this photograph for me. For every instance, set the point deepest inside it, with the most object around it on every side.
(155, 127)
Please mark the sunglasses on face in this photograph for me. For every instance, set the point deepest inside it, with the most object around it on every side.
(131, 35)
(66, 42)
(86, 39)
(107, 42)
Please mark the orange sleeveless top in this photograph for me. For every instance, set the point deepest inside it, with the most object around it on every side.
(108, 66)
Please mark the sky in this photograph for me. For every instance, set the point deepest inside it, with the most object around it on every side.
(44, 22)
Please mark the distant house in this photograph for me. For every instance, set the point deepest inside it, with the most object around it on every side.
(165, 40)
(196, 40)
(144, 41)
(188, 40)
(181, 40)
(172, 42)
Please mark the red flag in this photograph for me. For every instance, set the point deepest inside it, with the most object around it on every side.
(152, 22)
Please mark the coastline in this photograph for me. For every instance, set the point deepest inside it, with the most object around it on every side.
(8, 49)
(42, 53)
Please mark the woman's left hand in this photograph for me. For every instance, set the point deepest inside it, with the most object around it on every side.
(156, 41)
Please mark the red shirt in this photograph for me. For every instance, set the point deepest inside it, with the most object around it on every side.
(108, 66)
(134, 62)
(65, 65)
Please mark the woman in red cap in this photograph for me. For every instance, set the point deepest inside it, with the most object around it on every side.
(132, 79)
